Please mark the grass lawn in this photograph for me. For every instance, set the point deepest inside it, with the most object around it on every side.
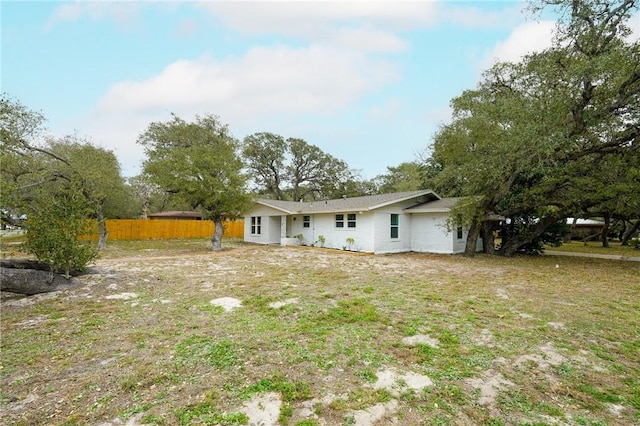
(519, 341)
(595, 247)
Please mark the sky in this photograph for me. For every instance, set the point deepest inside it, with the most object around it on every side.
(368, 82)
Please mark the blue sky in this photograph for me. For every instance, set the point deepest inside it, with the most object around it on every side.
(367, 82)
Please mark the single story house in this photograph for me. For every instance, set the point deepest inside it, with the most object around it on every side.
(583, 228)
(386, 223)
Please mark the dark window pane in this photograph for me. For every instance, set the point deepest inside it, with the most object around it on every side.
(394, 232)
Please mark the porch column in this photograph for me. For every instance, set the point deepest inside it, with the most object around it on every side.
(283, 227)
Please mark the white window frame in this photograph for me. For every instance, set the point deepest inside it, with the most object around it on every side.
(256, 225)
(395, 226)
(345, 221)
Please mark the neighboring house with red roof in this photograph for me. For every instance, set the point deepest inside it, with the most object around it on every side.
(386, 223)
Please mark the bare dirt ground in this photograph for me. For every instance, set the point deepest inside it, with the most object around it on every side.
(302, 336)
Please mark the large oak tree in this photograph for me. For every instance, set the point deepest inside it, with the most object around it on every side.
(198, 163)
(292, 169)
(539, 138)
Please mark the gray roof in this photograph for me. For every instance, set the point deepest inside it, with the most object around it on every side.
(443, 205)
(367, 203)
(175, 213)
(585, 222)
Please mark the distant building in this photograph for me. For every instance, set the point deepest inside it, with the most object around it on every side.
(176, 215)
(584, 228)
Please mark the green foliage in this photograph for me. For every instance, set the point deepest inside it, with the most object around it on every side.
(36, 173)
(350, 242)
(354, 311)
(407, 176)
(197, 162)
(55, 228)
(201, 349)
(289, 391)
(293, 169)
(551, 136)
(99, 171)
(153, 419)
(552, 235)
(307, 422)
(206, 414)
(367, 375)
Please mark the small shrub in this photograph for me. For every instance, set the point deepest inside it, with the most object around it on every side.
(55, 230)
(350, 242)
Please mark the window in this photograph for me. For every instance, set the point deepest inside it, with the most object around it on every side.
(394, 226)
(306, 221)
(256, 225)
(459, 230)
(351, 220)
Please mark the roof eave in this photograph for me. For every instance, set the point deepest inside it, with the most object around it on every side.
(443, 210)
(261, 202)
(399, 200)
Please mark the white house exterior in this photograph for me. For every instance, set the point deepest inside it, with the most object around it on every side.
(385, 223)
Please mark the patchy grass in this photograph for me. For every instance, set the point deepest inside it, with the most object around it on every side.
(595, 247)
(519, 341)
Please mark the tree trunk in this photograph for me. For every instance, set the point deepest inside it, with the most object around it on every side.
(472, 239)
(605, 230)
(216, 238)
(20, 278)
(516, 241)
(567, 238)
(103, 235)
(629, 232)
(488, 242)
(145, 204)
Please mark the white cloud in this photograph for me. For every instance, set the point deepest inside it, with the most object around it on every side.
(265, 80)
(364, 25)
(120, 12)
(309, 19)
(186, 28)
(634, 25)
(118, 131)
(476, 17)
(368, 40)
(527, 38)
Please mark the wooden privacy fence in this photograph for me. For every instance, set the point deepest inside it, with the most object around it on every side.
(144, 229)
